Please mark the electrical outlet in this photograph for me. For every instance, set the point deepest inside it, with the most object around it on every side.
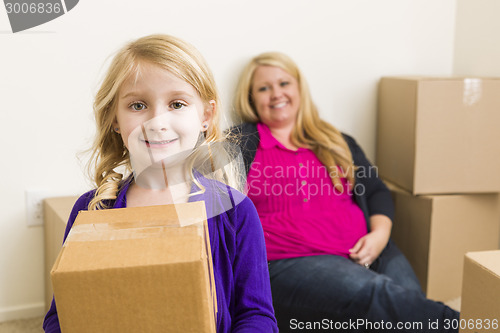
(34, 206)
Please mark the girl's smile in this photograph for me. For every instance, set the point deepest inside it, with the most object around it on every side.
(158, 144)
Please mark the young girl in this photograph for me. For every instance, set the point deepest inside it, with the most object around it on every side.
(157, 115)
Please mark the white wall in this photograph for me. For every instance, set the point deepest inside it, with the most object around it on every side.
(49, 74)
(477, 42)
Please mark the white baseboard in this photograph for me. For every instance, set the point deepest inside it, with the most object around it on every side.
(22, 312)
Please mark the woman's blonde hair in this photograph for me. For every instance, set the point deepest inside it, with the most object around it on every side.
(310, 130)
(109, 153)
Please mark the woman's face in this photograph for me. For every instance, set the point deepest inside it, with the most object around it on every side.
(276, 96)
(159, 117)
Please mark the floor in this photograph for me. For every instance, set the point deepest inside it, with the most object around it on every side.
(31, 325)
(34, 325)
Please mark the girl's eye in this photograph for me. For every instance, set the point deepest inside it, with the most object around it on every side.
(284, 83)
(262, 89)
(138, 106)
(177, 105)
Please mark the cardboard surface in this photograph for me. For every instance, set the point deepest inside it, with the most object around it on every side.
(56, 214)
(435, 232)
(439, 135)
(480, 310)
(145, 269)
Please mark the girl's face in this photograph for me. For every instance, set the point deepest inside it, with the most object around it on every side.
(276, 96)
(160, 117)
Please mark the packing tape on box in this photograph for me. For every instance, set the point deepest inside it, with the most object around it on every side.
(121, 231)
(473, 91)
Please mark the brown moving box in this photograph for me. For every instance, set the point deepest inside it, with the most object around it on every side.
(439, 135)
(480, 310)
(56, 213)
(145, 269)
(435, 232)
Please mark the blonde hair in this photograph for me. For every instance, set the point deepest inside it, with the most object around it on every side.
(109, 152)
(310, 130)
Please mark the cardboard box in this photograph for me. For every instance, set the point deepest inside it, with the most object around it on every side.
(145, 269)
(480, 310)
(435, 232)
(56, 213)
(439, 135)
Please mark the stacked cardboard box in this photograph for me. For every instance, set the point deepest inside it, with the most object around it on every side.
(437, 143)
(56, 214)
(481, 293)
(135, 270)
(435, 231)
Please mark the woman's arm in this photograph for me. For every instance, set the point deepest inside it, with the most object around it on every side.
(369, 187)
(375, 198)
(253, 309)
(369, 247)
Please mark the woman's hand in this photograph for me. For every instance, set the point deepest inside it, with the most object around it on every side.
(369, 247)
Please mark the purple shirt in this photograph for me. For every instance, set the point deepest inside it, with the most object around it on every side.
(302, 214)
(241, 274)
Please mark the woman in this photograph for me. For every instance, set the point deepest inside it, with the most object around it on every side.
(325, 213)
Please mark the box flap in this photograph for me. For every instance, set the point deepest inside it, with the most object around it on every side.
(488, 260)
(135, 237)
(161, 215)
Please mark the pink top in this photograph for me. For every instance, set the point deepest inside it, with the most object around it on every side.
(301, 212)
